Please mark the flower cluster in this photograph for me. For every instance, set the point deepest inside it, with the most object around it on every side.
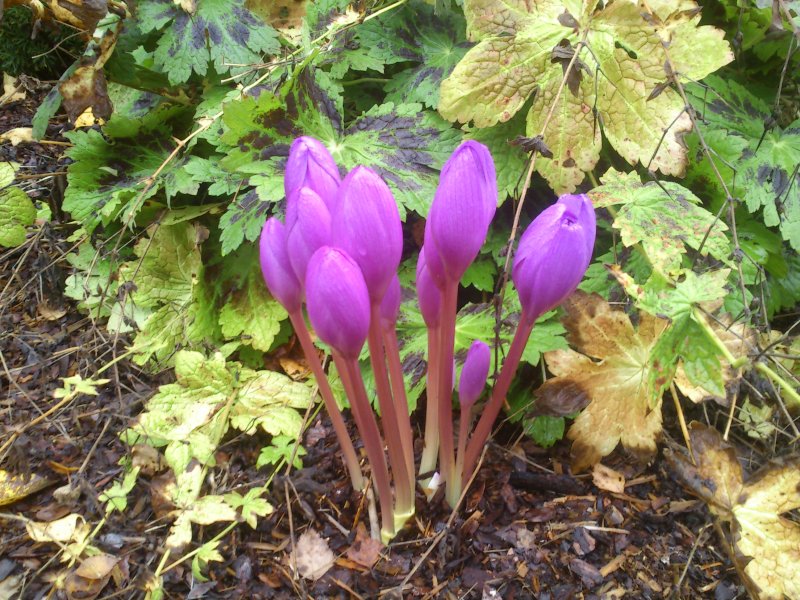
(338, 252)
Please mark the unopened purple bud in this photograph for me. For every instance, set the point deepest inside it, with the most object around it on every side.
(311, 230)
(428, 294)
(367, 226)
(275, 265)
(554, 253)
(310, 165)
(390, 305)
(432, 259)
(463, 207)
(474, 373)
(337, 301)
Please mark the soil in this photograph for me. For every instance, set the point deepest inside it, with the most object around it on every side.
(528, 528)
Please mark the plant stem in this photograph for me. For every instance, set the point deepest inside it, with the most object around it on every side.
(389, 420)
(430, 450)
(401, 401)
(365, 419)
(463, 434)
(484, 427)
(346, 444)
(445, 384)
(744, 361)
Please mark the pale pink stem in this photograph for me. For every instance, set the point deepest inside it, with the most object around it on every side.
(370, 434)
(445, 383)
(346, 444)
(400, 401)
(430, 451)
(492, 408)
(391, 426)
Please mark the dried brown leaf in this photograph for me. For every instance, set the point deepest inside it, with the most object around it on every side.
(611, 367)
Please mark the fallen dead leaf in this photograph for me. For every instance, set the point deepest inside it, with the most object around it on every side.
(296, 369)
(17, 136)
(767, 543)
(364, 550)
(608, 479)
(12, 90)
(71, 528)
(611, 367)
(17, 487)
(312, 555)
(88, 580)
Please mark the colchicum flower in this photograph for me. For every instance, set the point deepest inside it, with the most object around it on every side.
(310, 165)
(553, 254)
(367, 226)
(276, 268)
(462, 209)
(337, 301)
(390, 305)
(310, 231)
(474, 373)
(428, 295)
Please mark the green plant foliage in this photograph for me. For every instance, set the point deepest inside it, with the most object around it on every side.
(545, 430)
(524, 48)
(219, 32)
(757, 163)
(113, 175)
(665, 218)
(432, 42)
(17, 212)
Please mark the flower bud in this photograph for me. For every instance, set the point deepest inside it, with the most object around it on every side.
(474, 373)
(367, 226)
(311, 230)
(310, 165)
(390, 305)
(553, 254)
(463, 207)
(275, 265)
(337, 301)
(428, 295)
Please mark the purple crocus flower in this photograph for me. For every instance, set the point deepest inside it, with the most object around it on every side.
(367, 226)
(310, 165)
(390, 305)
(474, 373)
(428, 294)
(463, 207)
(337, 301)
(276, 268)
(311, 230)
(553, 254)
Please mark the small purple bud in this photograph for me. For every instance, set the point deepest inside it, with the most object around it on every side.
(310, 165)
(554, 253)
(367, 226)
(463, 207)
(432, 259)
(337, 301)
(474, 373)
(311, 230)
(428, 295)
(390, 305)
(275, 265)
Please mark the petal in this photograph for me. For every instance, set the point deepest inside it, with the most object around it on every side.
(474, 373)
(310, 165)
(337, 301)
(275, 265)
(311, 230)
(428, 294)
(390, 305)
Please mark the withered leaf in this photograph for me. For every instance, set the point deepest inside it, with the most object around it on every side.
(767, 542)
(610, 366)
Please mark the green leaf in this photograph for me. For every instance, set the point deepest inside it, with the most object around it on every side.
(282, 447)
(116, 496)
(111, 177)
(545, 430)
(417, 34)
(677, 302)
(480, 275)
(403, 143)
(270, 400)
(252, 505)
(764, 162)
(701, 361)
(620, 74)
(168, 280)
(222, 32)
(206, 553)
(252, 314)
(665, 218)
(16, 213)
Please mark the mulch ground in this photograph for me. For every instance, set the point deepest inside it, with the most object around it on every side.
(528, 528)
